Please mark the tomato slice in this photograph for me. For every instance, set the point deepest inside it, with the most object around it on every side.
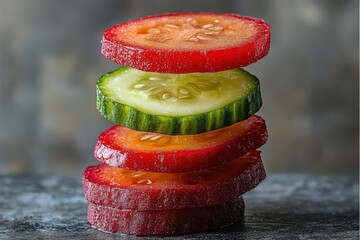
(187, 42)
(165, 222)
(119, 188)
(153, 152)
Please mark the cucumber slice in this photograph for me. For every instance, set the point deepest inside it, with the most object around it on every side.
(177, 103)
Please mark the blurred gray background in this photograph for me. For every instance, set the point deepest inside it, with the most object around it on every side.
(50, 61)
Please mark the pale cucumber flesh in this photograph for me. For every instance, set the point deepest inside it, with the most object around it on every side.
(177, 94)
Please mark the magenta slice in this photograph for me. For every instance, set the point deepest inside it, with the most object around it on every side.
(127, 189)
(165, 222)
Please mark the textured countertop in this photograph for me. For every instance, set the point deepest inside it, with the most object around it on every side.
(284, 206)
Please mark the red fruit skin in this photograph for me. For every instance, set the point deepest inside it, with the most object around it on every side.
(186, 160)
(186, 61)
(101, 191)
(165, 222)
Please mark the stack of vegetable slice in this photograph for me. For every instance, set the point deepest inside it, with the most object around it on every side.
(184, 147)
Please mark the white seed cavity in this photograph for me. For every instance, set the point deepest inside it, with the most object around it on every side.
(194, 22)
(144, 181)
(152, 89)
(217, 28)
(147, 136)
(194, 39)
(166, 96)
(155, 78)
(153, 31)
(184, 91)
(208, 25)
(138, 174)
(150, 137)
(170, 25)
(155, 137)
(139, 86)
(211, 33)
(203, 37)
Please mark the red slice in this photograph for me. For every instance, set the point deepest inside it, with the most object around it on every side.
(187, 42)
(165, 222)
(152, 152)
(120, 188)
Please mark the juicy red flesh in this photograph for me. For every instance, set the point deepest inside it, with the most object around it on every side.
(113, 150)
(172, 190)
(165, 222)
(186, 61)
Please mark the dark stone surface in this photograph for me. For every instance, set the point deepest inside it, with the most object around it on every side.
(284, 206)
